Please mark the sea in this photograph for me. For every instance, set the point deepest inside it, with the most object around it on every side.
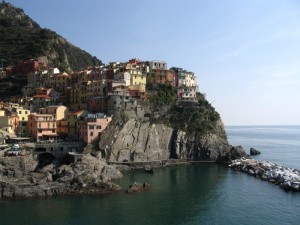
(203, 193)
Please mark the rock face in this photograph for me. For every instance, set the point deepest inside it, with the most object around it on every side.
(136, 141)
(20, 179)
(139, 141)
(287, 178)
(254, 151)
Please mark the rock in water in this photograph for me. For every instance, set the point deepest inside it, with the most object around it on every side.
(254, 151)
(138, 187)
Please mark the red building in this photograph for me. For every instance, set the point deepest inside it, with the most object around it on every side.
(24, 67)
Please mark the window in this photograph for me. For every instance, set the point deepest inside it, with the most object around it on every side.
(61, 149)
(26, 112)
(91, 127)
(91, 134)
(40, 131)
(98, 127)
(20, 112)
(23, 118)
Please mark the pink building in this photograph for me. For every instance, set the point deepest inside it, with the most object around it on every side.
(187, 93)
(43, 126)
(93, 126)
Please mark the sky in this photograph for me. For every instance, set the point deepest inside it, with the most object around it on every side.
(245, 54)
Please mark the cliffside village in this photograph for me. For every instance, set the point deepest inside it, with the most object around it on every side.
(61, 112)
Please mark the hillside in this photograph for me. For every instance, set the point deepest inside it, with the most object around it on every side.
(22, 38)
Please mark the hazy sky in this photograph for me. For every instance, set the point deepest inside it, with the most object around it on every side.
(245, 53)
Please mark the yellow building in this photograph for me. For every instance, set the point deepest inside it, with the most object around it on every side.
(23, 119)
(77, 96)
(74, 119)
(137, 76)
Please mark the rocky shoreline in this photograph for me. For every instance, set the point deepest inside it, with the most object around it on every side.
(28, 177)
(286, 178)
(21, 177)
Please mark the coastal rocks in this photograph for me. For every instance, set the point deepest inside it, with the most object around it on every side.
(232, 153)
(87, 175)
(286, 178)
(138, 187)
(254, 151)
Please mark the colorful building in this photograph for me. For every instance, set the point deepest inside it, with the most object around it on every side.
(74, 120)
(9, 122)
(137, 76)
(43, 126)
(23, 119)
(93, 126)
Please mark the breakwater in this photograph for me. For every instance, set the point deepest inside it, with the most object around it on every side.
(287, 178)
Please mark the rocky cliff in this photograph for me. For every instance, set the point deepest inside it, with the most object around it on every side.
(196, 133)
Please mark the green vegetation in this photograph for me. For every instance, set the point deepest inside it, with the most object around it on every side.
(197, 116)
(191, 116)
(21, 38)
(164, 95)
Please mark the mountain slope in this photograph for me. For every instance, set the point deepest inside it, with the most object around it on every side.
(22, 38)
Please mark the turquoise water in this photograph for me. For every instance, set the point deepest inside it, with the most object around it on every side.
(195, 194)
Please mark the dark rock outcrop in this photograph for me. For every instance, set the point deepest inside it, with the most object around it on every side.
(138, 187)
(254, 151)
(232, 153)
(19, 178)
